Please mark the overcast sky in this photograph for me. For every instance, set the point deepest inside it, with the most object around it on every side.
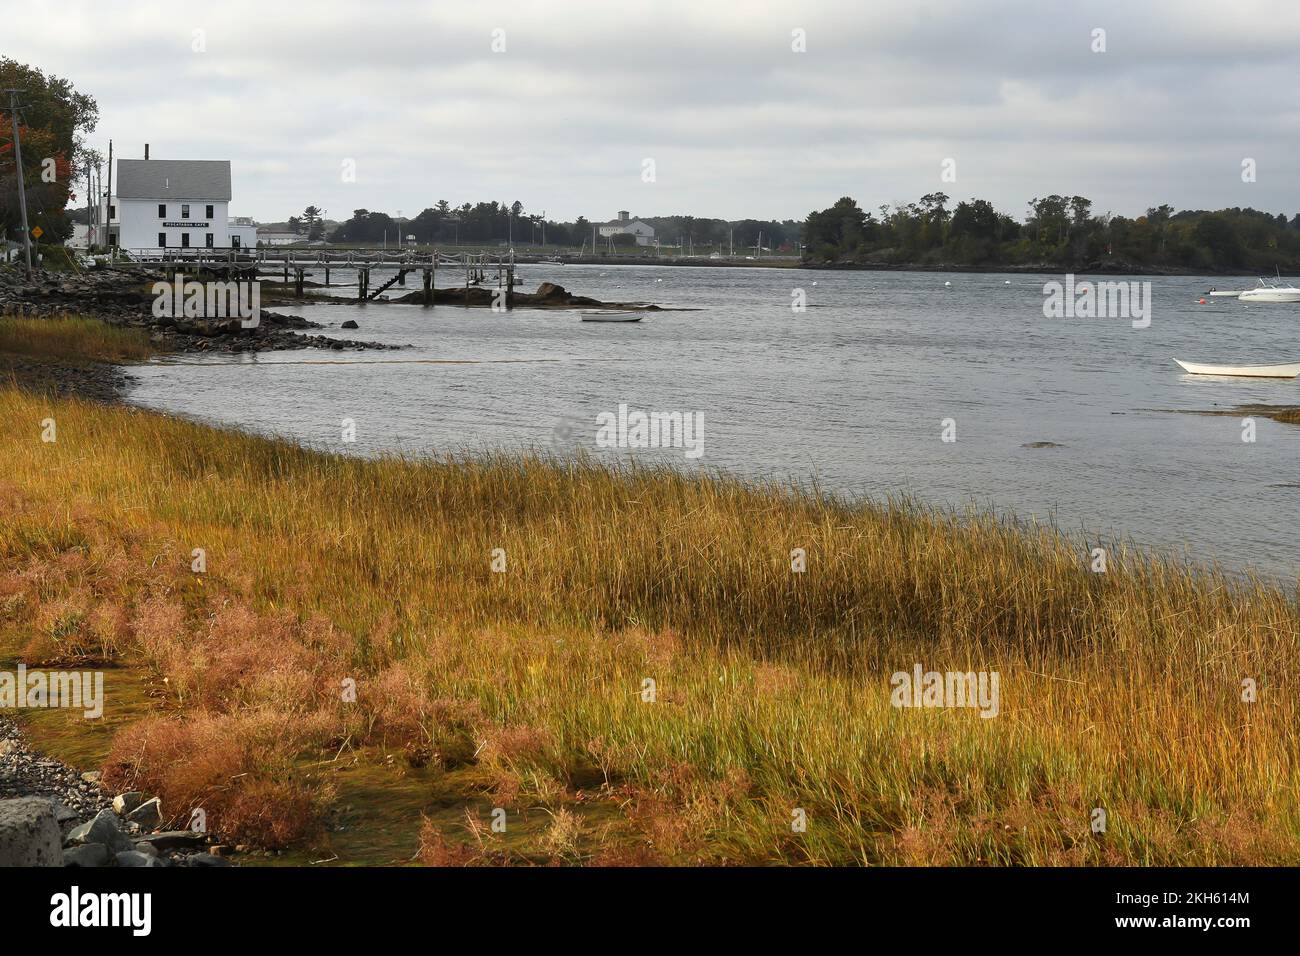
(736, 122)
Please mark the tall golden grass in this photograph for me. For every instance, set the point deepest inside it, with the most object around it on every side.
(1121, 691)
(72, 337)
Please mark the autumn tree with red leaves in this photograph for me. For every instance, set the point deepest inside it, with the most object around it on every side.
(53, 117)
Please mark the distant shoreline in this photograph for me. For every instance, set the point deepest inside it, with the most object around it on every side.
(791, 263)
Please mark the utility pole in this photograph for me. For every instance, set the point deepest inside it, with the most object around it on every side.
(22, 186)
(108, 204)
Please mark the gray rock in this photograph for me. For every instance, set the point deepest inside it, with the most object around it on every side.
(29, 833)
(92, 854)
(91, 776)
(206, 859)
(104, 829)
(136, 858)
(148, 814)
(174, 840)
(124, 803)
(147, 849)
(349, 324)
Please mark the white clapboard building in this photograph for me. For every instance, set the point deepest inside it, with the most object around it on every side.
(175, 204)
(625, 225)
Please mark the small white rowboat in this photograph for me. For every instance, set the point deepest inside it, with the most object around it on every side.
(597, 316)
(1250, 371)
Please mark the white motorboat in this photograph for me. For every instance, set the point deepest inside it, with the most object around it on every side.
(1271, 291)
(1290, 370)
(596, 315)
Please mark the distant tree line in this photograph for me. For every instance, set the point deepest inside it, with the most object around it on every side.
(1057, 231)
(498, 222)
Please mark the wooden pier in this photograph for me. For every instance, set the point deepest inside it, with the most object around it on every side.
(301, 263)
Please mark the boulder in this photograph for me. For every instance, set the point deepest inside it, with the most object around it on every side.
(136, 858)
(349, 324)
(549, 290)
(92, 854)
(174, 840)
(206, 859)
(29, 833)
(147, 814)
(105, 829)
(124, 803)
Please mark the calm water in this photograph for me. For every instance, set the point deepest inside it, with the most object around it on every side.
(851, 393)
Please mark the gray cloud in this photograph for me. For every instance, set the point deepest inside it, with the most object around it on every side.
(738, 124)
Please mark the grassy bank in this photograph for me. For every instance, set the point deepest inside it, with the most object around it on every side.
(525, 689)
(72, 338)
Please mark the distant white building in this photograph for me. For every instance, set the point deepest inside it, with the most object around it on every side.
(80, 238)
(243, 232)
(624, 225)
(268, 238)
(174, 204)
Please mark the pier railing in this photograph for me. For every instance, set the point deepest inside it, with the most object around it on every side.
(475, 266)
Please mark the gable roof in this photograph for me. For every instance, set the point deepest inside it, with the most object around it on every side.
(173, 179)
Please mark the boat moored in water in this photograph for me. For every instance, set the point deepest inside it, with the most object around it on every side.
(1289, 370)
(596, 315)
(1269, 290)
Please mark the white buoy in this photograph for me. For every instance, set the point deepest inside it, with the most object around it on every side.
(1006, 282)
(947, 283)
(814, 283)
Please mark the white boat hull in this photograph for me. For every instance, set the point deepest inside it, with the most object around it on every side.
(611, 317)
(1290, 370)
(1270, 295)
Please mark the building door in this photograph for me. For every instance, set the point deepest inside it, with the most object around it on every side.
(234, 242)
(162, 240)
(209, 240)
(185, 240)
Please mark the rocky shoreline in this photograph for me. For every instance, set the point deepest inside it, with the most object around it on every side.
(51, 815)
(121, 296)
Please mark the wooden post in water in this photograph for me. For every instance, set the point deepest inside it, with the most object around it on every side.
(286, 270)
(428, 293)
(467, 282)
(297, 283)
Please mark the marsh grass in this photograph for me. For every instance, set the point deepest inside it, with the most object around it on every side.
(1120, 691)
(72, 338)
